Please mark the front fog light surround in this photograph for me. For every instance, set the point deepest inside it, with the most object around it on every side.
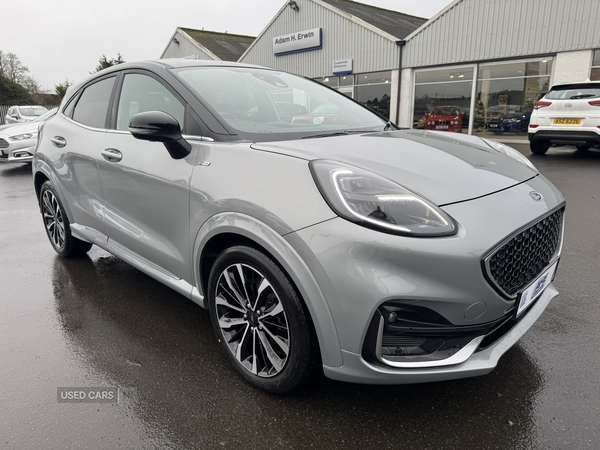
(376, 202)
(409, 336)
(404, 335)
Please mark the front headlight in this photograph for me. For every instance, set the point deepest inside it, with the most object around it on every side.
(376, 202)
(509, 151)
(22, 137)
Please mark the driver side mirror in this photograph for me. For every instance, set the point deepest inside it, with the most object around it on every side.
(158, 126)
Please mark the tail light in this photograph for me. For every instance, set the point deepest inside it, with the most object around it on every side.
(533, 125)
(541, 104)
(594, 102)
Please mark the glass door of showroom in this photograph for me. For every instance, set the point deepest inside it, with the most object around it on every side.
(443, 98)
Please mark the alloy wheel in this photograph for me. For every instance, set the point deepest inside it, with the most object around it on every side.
(53, 219)
(252, 320)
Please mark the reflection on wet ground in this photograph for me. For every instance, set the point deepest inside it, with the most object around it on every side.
(97, 321)
(162, 344)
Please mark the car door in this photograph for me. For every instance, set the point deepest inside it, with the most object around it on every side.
(146, 191)
(76, 136)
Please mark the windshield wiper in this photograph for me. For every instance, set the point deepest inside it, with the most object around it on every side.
(583, 96)
(390, 126)
(335, 133)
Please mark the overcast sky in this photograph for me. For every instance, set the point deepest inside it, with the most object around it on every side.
(63, 39)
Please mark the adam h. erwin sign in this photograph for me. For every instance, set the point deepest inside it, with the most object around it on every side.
(300, 41)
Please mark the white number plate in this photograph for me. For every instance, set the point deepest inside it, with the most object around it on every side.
(441, 127)
(535, 289)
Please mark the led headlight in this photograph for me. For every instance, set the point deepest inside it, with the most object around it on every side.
(22, 137)
(376, 202)
(509, 151)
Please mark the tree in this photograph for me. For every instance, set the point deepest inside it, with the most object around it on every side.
(61, 89)
(12, 68)
(33, 87)
(105, 63)
(12, 93)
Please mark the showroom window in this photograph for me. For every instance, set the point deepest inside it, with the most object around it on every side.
(372, 89)
(443, 99)
(332, 82)
(505, 96)
(595, 74)
(500, 102)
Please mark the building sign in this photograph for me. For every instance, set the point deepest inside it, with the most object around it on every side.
(342, 67)
(300, 41)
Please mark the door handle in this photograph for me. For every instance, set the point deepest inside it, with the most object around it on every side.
(58, 141)
(112, 155)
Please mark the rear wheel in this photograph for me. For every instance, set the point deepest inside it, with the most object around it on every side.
(583, 148)
(260, 321)
(58, 228)
(539, 147)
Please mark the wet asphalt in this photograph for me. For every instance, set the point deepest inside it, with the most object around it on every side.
(98, 322)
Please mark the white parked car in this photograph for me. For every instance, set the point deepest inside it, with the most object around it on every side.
(568, 114)
(19, 114)
(18, 141)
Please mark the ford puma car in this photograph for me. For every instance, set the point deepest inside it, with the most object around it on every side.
(372, 254)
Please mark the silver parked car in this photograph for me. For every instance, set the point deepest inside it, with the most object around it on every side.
(336, 241)
(19, 114)
(18, 141)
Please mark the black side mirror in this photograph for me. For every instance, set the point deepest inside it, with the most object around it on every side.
(158, 126)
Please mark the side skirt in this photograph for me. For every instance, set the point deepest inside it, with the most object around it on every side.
(149, 268)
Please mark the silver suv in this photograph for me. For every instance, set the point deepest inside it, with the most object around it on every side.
(567, 115)
(323, 239)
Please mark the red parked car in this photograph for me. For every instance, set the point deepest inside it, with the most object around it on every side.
(444, 118)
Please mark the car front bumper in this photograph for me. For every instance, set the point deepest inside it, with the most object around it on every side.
(359, 270)
(356, 369)
(17, 151)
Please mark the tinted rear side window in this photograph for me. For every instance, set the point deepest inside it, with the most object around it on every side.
(92, 106)
(574, 91)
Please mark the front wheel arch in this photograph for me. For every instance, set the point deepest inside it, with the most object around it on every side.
(39, 179)
(228, 229)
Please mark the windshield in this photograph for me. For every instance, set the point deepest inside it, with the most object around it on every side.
(46, 115)
(263, 104)
(574, 91)
(32, 111)
(445, 111)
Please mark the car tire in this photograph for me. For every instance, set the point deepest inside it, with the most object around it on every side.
(539, 147)
(57, 225)
(583, 148)
(260, 321)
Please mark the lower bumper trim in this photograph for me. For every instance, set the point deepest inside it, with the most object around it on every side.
(356, 369)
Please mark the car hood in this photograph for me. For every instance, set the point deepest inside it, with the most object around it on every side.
(19, 128)
(444, 169)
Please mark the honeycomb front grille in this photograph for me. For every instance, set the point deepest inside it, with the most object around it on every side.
(3, 143)
(519, 260)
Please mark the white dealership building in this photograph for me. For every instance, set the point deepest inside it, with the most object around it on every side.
(484, 57)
